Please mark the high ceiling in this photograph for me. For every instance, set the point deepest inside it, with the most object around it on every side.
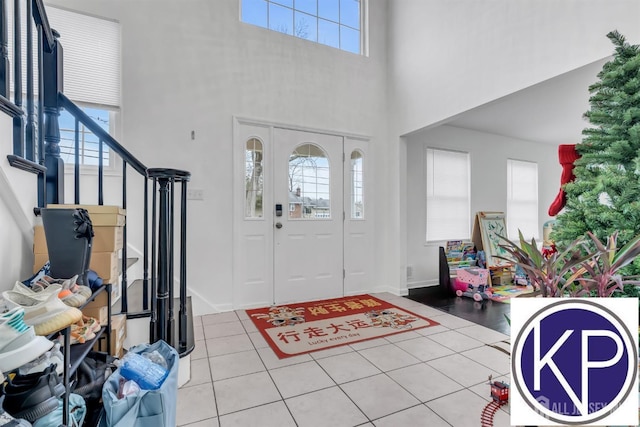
(549, 112)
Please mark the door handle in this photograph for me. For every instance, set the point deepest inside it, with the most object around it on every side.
(278, 225)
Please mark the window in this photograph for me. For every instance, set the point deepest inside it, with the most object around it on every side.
(357, 194)
(336, 23)
(253, 178)
(522, 199)
(87, 141)
(448, 195)
(91, 76)
(309, 183)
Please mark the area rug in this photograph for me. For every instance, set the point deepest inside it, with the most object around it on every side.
(504, 293)
(300, 328)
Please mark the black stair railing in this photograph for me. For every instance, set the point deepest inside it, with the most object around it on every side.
(36, 149)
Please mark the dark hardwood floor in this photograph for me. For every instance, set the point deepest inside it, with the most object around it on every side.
(486, 313)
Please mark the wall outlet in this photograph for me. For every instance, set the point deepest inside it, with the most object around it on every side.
(195, 194)
(409, 271)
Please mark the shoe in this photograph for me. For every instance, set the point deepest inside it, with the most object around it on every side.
(7, 420)
(37, 291)
(81, 334)
(53, 356)
(18, 341)
(79, 293)
(91, 322)
(33, 396)
(46, 316)
(71, 293)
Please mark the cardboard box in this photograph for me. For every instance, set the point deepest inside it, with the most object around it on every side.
(118, 335)
(99, 313)
(100, 215)
(105, 264)
(105, 239)
(101, 299)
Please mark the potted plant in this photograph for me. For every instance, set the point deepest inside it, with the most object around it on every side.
(581, 269)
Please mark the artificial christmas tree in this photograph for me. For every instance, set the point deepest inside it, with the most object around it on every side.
(605, 195)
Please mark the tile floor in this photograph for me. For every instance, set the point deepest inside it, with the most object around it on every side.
(431, 377)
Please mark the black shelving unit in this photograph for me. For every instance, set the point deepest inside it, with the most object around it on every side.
(75, 354)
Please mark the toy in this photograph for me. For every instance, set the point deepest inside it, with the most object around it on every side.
(500, 391)
(478, 293)
(500, 396)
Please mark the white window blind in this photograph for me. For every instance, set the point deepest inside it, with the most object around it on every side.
(91, 55)
(522, 199)
(448, 195)
(91, 49)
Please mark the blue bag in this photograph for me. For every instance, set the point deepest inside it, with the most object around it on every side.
(146, 408)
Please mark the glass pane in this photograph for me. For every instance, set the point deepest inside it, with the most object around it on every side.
(88, 143)
(357, 193)
(309, 191)
(309, 6)
(328, 33)
(254, 12)
(253, 179)
(306, 26)
(349, 39)
(329, 9)
(288, 3)
(350, 13)
(280, 19)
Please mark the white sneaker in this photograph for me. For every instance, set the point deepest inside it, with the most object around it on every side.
(43, 362)
(18, 341)
(38, 293)
(46, 316)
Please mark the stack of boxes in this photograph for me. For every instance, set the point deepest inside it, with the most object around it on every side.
(108, 227)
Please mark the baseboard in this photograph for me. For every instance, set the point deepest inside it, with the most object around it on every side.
(422, 283)
(202, 306)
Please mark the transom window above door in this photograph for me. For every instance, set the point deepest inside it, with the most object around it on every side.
(309, 189)
(335, 23)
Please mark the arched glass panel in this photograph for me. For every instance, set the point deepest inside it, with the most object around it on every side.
(253, 178)
(357, 185)
(309, 190)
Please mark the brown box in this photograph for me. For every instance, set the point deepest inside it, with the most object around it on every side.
(105, 239)
(101, 299)
(118, 334)
(100, 313)
(105, 264)
(100, 215)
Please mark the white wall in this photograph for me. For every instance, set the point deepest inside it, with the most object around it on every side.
(446, 57)
(191, 65)
(488, 155)
(18, 197)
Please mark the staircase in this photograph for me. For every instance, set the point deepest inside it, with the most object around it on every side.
(157, 300)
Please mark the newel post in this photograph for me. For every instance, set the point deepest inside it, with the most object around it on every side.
(52, 85)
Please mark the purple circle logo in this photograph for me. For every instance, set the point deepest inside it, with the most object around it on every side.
(574, 362)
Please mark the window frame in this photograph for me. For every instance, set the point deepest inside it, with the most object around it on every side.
(363, 24)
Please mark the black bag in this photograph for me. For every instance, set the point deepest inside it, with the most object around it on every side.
(91, 375)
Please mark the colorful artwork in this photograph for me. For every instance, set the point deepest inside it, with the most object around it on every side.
(493, 228)
(282, 316)
(390, 319)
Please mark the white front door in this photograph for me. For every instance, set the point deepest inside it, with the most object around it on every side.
(308, 216)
